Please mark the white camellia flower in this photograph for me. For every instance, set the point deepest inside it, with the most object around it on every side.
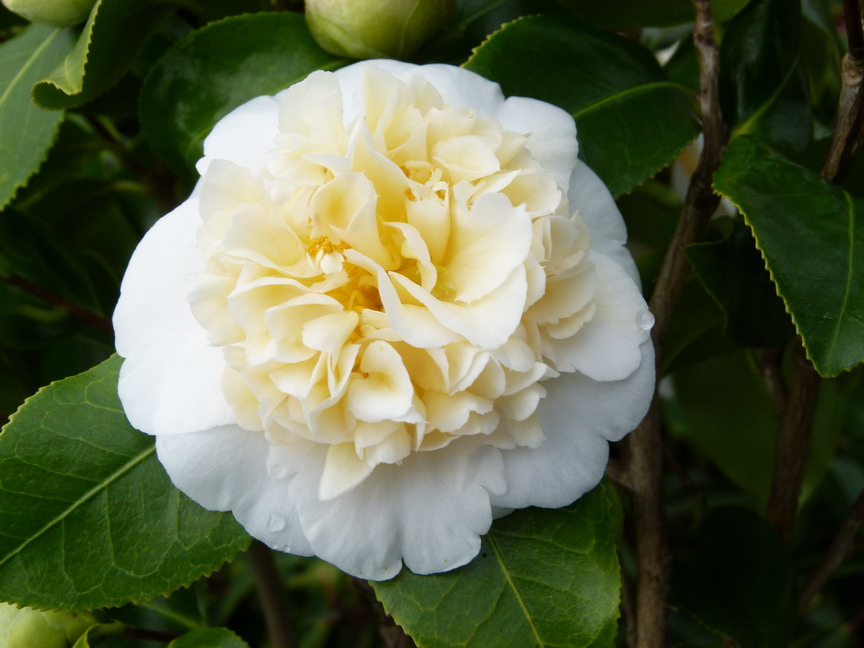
(396, 306)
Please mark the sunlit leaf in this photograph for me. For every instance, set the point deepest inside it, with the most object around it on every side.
(111, 39)
(27, 131)
(543, 578)
(88, 517)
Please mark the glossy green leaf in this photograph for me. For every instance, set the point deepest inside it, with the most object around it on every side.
(739, 439)
(631, 120)
(88, 517)
(733, 273)
(26, 131)
(219, 67)
(811, 235)
(629, 14)
(111, 39)
(209, 638)
(763, 86)
(736, 576)
(543, 578)
(474, 20)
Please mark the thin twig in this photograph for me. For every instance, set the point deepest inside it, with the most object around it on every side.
(845, 140)
(392, 635)
(273, 597)
(771, 367)
(841, 548)
(792, 448)
(74, 310)
(615, 471)
(645, 444)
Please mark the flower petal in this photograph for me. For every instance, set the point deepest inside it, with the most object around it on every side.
(597, 208)
(244, 136)
(259, 491)
(171, 381)
(578, 417)
(551, 134)
(437, 507)
(607, 346)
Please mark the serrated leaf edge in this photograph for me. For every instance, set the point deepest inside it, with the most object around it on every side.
(807, 352)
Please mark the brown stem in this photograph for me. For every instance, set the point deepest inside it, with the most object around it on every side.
(392, 635)
(846, 138)
(615, 471)
(841, 548)
(771, 367)
(273, 596)
(74, 310)
(792, 447)
(645, 444)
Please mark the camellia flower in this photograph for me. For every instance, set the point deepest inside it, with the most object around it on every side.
(395, 306)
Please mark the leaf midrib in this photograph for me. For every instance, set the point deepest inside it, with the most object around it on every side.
(643, 87)
(516, 592)
(30, 62)
(129, 465)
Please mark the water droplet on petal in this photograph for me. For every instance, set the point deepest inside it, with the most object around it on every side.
(645, 320)
(276, 523)
(278, 471)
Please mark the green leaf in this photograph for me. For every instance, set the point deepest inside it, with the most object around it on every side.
(111, 39)
(811, 235)
(26, 131)
(631, 120)
(219, 67)
(740, 439)
(543, 578)
(209, 638)
(733, 273)
(763, 85)
(88, 517)
(629, 14)
(736, 576)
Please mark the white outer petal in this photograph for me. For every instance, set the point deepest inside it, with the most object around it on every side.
(607, 347)
(551, 134)
(244, 136)
(578, 416)
(226, 469)
(431, 510)
(598, 210)
(171, 381)
(458, 87)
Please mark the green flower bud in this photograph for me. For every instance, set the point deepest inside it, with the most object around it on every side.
(29, 628)
(375, 28)
(59, 13)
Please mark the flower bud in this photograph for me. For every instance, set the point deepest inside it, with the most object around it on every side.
(29, 628)
(375, 28)
(59, 13)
